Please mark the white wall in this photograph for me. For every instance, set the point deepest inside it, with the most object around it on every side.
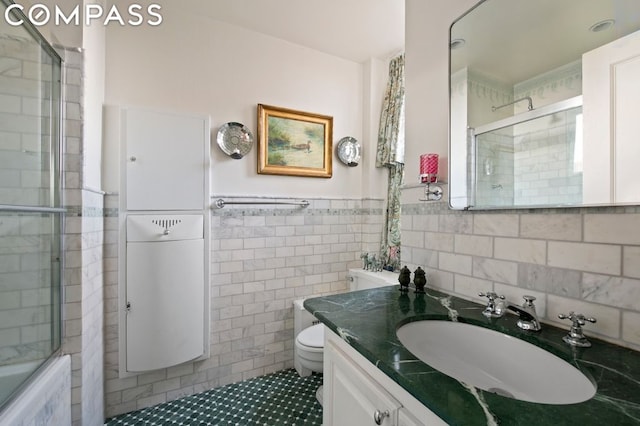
(195, 64)
(427, 80)
(93, 44)
(376, 74)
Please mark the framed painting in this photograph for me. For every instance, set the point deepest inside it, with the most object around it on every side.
(294, 143)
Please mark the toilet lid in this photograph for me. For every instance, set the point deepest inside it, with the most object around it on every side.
(312, 336)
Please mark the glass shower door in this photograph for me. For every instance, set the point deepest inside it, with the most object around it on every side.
(30, 206)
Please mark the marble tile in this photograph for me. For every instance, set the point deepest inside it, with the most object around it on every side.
(521, 250)
(631, 261)
(424, 223)
(470, 287)
(496, 270)
(612, 228)
(599, 258)
(425, 257)
(473, 245)
(413, 238)
(562, 282)
(567, 227)
(406, 222)
(506, 225)
(459, 224)
(455, 263)
(441, 280)
(439, 241)
(613, 291)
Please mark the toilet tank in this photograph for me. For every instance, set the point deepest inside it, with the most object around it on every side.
(301, 317)
(360, 279)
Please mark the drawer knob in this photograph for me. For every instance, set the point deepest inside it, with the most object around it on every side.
(379, 416)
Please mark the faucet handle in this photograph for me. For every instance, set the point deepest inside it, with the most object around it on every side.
(491, 310)
(576, 318)
(576, 337)
(491, 296)
(528, 301)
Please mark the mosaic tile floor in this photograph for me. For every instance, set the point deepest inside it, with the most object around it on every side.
(281, 398)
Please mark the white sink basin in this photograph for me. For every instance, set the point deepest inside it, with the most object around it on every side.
(496, 362)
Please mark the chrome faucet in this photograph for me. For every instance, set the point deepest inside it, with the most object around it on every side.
(527, 312)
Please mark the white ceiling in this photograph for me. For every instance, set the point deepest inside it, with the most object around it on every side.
(554, 32)
(351, 29)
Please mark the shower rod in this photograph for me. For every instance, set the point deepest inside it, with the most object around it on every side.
(526, 98)
(220, 203)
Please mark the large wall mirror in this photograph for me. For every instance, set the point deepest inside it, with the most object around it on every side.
(545, 104)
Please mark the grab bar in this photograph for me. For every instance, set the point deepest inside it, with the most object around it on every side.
(220, 203)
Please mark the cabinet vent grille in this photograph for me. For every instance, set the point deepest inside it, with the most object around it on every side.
(166, 223)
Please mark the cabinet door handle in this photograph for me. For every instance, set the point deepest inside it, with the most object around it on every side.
(379, 416)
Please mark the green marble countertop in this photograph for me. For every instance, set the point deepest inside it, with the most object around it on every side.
(368, 320)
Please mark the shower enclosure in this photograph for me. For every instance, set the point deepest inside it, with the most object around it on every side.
(31, 215)
(530, 159)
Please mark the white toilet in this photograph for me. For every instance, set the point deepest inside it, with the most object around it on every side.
(309, 332)
(309, 342)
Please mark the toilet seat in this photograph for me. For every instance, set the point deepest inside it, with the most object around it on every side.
(312, 337)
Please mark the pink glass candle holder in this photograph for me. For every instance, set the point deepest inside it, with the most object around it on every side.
(428, 168)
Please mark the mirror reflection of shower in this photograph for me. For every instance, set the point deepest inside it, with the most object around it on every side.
(531, 159)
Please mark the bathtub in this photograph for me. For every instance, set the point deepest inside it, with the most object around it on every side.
(46, 397)
(12, 376)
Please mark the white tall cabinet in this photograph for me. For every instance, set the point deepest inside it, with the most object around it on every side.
(164, 239)
(611, 95)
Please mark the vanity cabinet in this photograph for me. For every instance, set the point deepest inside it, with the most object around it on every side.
(357, 393)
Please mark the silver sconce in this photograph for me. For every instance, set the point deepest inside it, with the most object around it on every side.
(432, 191)
(429, 176)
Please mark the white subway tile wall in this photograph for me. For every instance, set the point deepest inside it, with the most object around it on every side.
(83, 275)
(582, 259)
(262, 258)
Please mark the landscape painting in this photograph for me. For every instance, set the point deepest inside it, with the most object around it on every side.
(294, 143)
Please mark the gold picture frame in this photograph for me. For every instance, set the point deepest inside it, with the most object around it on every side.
(294, 143)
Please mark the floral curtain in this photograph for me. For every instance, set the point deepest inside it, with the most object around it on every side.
(390, 154)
